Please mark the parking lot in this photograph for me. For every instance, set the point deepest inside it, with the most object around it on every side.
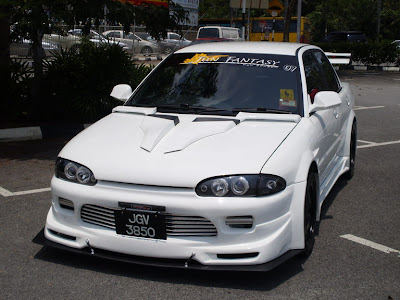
(356, 255)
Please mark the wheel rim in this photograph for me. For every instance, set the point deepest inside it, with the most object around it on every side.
(353, 149)
(168, 50)
(146, 51)
(309, 215)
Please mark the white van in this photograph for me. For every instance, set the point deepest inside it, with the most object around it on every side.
(219, 32)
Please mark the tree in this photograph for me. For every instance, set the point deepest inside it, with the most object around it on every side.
(32, 19)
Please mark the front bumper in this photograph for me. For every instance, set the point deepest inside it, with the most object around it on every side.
(277, 227)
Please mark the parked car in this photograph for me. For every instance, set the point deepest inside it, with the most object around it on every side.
(73, 39)
(220, 159)
(23, 47)
(175, 38)
(165, 47)
(133, 41)
(345, 36)
(209, 40)
(219, 32)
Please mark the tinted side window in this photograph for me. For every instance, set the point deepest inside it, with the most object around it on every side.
(174, 36)
(331, 80)
(313, 74)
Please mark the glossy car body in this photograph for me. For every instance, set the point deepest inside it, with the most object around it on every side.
(73, 39)
(23, 47)
(164, 46)
(134, 42)
(235, 170)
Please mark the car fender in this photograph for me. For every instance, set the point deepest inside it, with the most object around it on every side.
(294, 156)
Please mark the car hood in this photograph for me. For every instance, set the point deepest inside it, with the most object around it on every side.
(140, 146)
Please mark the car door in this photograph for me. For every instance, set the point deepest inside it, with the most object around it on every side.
(326, 121)
(333, 84)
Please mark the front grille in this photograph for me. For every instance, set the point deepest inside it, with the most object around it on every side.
(177, 225)
(98, 215)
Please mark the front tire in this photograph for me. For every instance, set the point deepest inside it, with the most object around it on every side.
(168, 50)
(310, 217)
(147, 51)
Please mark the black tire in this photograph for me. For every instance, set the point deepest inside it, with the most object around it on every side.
(353, 150)
(146, 51)
(310, 216)
(168, 50)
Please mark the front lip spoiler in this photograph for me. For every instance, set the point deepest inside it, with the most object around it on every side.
(163, 262)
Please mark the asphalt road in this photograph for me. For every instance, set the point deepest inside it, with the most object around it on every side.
(365, 207)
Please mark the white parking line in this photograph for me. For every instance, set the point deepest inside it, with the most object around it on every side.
(7, 193)
(372, 144)
(367, 107)
(370, 244)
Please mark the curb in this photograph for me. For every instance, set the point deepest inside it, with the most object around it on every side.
(367, 68)
(40, 132)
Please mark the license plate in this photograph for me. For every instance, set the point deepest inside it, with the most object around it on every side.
(140, 223)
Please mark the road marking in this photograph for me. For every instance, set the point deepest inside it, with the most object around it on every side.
(370, 244)
(372, 144)
(367, 107)
(7, 193)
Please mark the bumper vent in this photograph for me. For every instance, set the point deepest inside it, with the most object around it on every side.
(65, 203)
(239, 221)
(177, 225)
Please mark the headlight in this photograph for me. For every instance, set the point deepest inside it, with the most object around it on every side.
(74, 172)
(241, 185)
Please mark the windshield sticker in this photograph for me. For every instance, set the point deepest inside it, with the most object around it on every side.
(289, 68)
(226, 59)
(202, 58)
(287, 98)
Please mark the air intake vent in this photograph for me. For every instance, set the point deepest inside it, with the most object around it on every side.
(189, 226)
(67, 204)
(239, 221)
(98, 215)
(177, 225)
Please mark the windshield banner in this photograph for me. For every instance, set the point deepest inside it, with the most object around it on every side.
(203, 58)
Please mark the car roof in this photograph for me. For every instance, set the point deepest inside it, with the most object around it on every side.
(247, 47)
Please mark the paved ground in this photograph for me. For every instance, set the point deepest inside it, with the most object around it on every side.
(363, 264)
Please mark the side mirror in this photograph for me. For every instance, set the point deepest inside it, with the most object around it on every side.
(121, 92)
(325, 100)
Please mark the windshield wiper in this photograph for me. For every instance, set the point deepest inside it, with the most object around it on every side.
(261, 110)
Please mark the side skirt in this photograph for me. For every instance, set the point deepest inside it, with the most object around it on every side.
(341, 167)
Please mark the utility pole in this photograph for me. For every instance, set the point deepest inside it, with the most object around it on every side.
(379, 8)
(298, 20)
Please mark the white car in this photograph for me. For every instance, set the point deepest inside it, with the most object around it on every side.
(220, 159)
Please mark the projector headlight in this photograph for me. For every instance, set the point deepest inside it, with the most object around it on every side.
(72, 171)
(241, 185)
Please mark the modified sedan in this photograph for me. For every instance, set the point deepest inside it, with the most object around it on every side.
(220, 159)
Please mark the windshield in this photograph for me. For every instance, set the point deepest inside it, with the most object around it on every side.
(223, 84)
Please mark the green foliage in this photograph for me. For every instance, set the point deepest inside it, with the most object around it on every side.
(372, 53)
(361, 15)
(79, 84)
(17, 104)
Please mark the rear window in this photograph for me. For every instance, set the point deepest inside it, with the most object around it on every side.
(225, 81)
(208, 33)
